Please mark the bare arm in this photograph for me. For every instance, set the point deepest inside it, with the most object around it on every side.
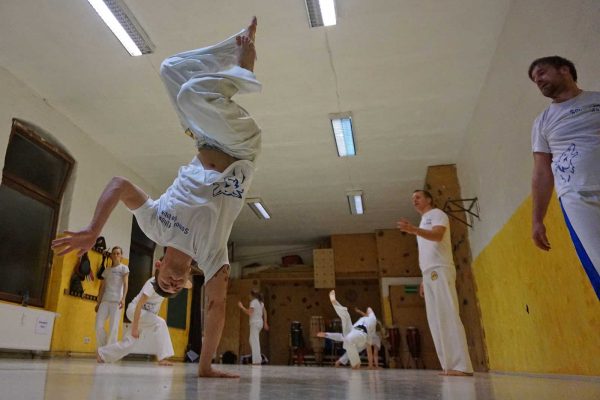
(542, 185)
(118, 189)
(135, 331)
(248, 311)
(125, 288)
(100, 295)
(436, 234)
(360, 312)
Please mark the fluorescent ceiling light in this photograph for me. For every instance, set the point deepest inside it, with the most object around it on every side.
(341, 124)
(123, 24)
(321, 13)
(259, 209)
(355, 201)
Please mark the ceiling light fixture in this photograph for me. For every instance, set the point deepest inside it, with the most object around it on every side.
(341, 124)
(259, 209)
(355, 201)
(123, 24)
(321, 13)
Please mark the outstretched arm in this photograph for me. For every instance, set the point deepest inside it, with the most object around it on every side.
(118, 189)
(436, 234)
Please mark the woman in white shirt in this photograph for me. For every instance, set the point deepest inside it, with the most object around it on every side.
(258, 320)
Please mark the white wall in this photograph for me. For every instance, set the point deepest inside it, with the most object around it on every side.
(495, 162)
(94, 165)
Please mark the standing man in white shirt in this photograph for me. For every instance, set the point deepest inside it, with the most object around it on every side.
(111, 298)
(439, 285)
(194, 217)
(566, 155)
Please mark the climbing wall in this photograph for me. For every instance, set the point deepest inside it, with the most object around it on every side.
(397, 252)
(442, 182)
(355, 253)
(324, 268)
(408, 309)
(297, 301)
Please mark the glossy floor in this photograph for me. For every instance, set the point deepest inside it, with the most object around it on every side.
(84, 379)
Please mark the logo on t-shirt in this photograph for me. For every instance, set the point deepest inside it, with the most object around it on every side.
(231, 186)
(563, 166)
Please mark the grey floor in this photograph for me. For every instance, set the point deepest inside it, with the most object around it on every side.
(77, 379)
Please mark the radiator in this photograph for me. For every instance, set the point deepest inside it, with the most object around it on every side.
(25, 328)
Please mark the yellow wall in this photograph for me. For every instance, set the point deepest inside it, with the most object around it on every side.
(560, 334)
(76, 320)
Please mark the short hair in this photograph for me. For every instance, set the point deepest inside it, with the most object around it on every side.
(257, 295)
(117, 247)
(425, 193)
(159, 291)
(556, 62)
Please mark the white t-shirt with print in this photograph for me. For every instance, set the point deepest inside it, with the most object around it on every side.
(570, 131)
(113, 282)
(257, 314)
(432, 253)
(195, 215)
(154, 300)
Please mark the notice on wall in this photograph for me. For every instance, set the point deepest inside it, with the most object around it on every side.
(42, 325)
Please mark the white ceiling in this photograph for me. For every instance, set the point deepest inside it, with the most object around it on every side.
(409, 70)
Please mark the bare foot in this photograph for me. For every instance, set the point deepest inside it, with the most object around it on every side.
(214, 373)
(337, 364)
(252, 28)
(165, 363)
(98, 358)
(248, 53)
(332, 296)
(452, 372)
(321, 334)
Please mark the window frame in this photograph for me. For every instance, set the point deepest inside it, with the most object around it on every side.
(27, 189)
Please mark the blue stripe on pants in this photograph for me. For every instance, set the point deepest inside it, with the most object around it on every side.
(588, 266)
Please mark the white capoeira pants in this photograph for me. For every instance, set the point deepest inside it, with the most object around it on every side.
(255, 328)
(353, 339)
(447, 330)
(374, 341)
(107, 310)
(582, 216)
(150, 324)
(200, 84)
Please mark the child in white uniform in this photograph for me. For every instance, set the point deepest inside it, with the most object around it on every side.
(142, 311)
(373, 342)
(111, 298)
(354, 338)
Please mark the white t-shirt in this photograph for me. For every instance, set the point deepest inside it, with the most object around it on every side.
(113, 282)
(570, 131)
(257, 315)
(195, 215)
(154, 300)
(431, 253)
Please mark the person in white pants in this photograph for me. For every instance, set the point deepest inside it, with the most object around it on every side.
(194, 217)
(111, 298)
(258, 320)
(353, 337)
(566, 152)
(373, 342)
(142, 311)
(439, 285)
